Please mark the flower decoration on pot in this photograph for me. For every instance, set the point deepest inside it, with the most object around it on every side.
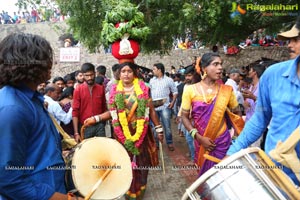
(124, 28)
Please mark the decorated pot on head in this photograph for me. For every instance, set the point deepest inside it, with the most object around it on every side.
(125, 50)
(123, 29)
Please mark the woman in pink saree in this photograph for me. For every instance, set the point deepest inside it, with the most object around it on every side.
(210, 105)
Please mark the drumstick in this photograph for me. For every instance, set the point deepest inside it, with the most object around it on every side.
(212, 158)
(82, 132)
(97, 184)
(162, 157)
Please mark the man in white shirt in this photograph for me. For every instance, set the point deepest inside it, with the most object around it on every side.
(233, 81)
(115, 77)
(52, 93)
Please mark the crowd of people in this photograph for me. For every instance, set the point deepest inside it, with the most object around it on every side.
(137, 105)
(33, 16)
(257, 38)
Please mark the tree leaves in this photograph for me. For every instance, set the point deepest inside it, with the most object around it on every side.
(207, 20)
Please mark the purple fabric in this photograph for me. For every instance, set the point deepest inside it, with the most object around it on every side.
(252, 104)
(67, 107)
(68, 127)
(201, 113)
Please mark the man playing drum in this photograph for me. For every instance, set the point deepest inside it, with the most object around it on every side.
(277, 105)
(31, 164)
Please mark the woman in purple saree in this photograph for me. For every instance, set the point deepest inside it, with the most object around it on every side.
(208, 103)
(201, 113)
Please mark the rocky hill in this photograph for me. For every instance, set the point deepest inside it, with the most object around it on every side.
(52, 32)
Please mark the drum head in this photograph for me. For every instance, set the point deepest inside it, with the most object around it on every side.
(92, 158)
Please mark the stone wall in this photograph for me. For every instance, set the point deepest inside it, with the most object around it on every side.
(52, 32)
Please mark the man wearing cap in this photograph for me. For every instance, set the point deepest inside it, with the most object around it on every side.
(278, 99)
(293, 37)
(233, 81)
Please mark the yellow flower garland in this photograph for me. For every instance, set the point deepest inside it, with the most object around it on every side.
(123, 118)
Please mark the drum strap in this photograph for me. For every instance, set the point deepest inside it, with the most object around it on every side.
(286, 154)
(67, 141)
(280, 178)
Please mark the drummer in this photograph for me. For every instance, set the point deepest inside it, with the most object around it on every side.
(31, 164)
(279, 100)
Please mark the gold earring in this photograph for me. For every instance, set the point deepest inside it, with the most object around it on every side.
(204, 75)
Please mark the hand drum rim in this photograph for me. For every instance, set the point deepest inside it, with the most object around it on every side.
(90, 160)
(251, 162)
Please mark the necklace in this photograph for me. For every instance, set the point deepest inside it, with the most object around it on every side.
(209, 91)
(128, 89)
(204, 96)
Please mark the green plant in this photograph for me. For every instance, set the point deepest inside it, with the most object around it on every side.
(130, 19)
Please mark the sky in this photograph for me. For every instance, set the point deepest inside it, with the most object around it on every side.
(9, 6)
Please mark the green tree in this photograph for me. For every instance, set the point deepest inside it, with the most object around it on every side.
(211, 21)
(215, 21)
(162, 17)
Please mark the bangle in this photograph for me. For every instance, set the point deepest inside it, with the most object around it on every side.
(97, 118)
(159, 130)
(193, 132)
(76, 134)
(158, 126)
(71, 195)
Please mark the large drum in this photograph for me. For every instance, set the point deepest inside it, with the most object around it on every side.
(89, 161)
(248, 174)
